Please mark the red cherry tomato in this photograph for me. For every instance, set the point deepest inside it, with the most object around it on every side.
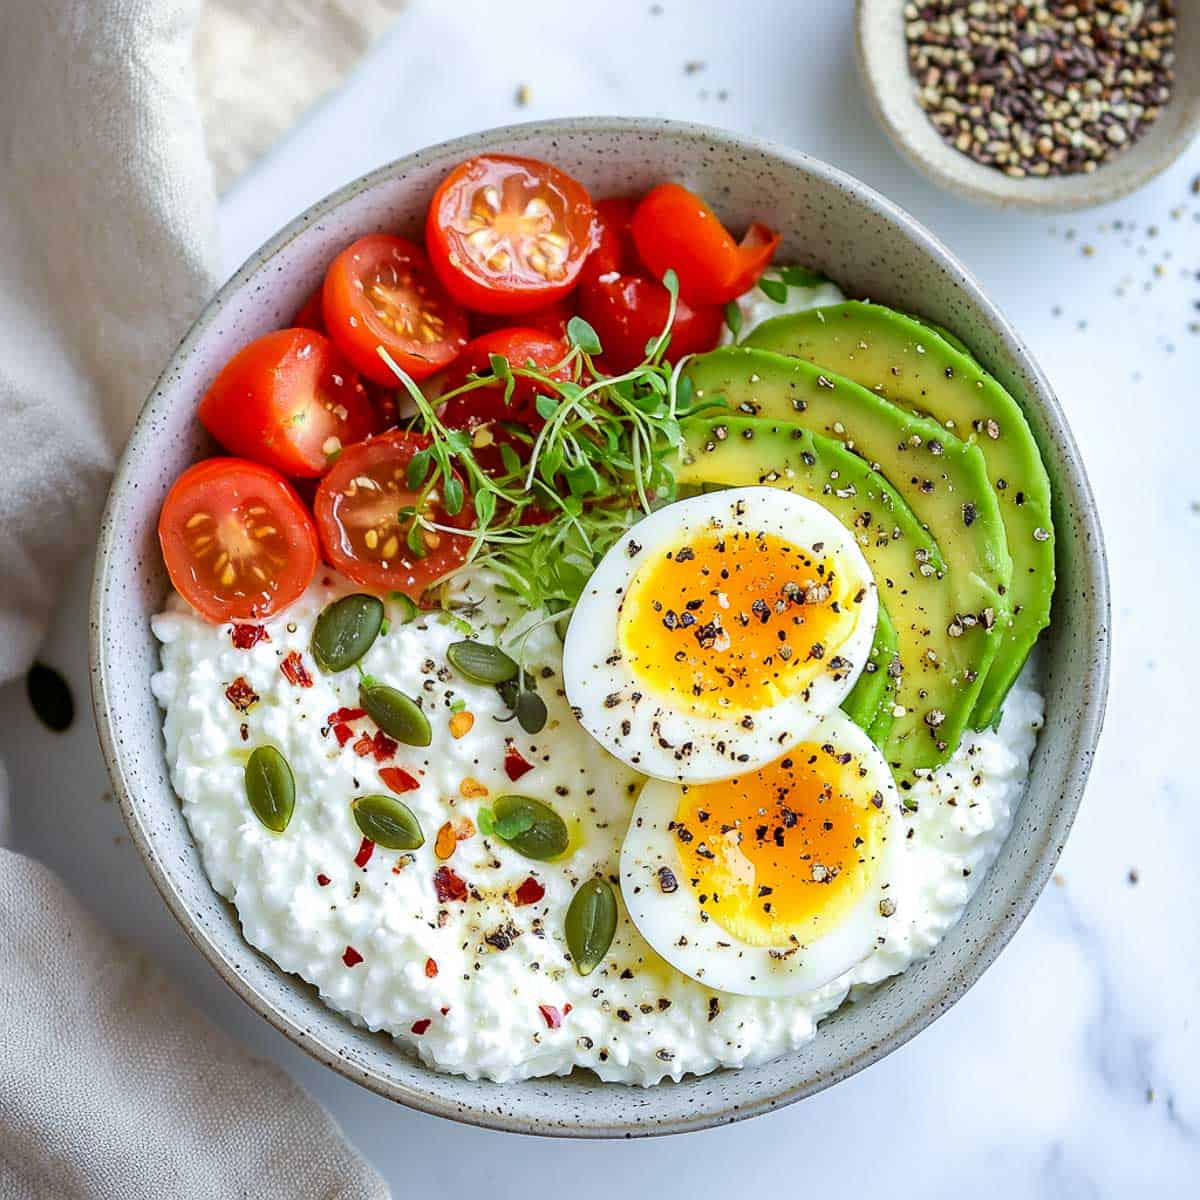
(520, 347)
(381, 291)
(362, 532)
(238, 543)
(552, 319)
(626, 311)
(674, 229)
(509, 235)
(288, 400)
(615, 251)
(311, 314)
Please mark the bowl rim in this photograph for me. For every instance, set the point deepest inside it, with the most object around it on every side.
(1036, 873)
(962, 176)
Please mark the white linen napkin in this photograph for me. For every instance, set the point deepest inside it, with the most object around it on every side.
(110, 1084)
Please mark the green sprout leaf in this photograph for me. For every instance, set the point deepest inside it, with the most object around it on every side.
(733, 318)
(774, 289)
(582, 336)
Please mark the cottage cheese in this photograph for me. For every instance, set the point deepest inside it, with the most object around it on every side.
(484, 988)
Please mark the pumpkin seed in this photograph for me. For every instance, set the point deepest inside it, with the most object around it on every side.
(270, 788)
(398, 715)
(50, 695)
(407, 606)
(590, 923)
(531, 712)
(530, 827)
(388, 822)
(481, 663)
(346, 630)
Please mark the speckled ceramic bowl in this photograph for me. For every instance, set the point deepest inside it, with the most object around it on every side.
(883, 65)
(831, 222)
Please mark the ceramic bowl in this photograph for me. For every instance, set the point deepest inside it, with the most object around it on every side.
(883, 65)
(830, 222)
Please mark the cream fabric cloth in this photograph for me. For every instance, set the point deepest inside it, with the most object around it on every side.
(110, 1085)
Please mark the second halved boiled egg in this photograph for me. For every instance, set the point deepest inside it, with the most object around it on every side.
(718, 631)
(776, 881)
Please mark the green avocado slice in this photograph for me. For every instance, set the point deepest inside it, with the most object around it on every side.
(872, 690)
(905, 361)
(938, 673)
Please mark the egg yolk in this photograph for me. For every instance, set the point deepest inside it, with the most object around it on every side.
(736, 620)
(779, 855)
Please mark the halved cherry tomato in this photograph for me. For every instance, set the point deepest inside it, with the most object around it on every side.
(674, 229)
(381, 291)
(288, 400)
(238, 543)
(363, 535)
(509, 235)
(311, 314)
(615, 251)
(520, 347)
(552, 319)
(626, 311)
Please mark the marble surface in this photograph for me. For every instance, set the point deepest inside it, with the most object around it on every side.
(1073, 1068)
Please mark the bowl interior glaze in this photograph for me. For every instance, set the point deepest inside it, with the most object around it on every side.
(832, 223)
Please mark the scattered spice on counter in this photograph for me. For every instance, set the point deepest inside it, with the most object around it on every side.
(1042, 89)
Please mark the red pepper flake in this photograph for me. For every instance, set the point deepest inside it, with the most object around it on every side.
(567, 1008)
(419, 1027)
(448, 885)
(445, 1010)
(241, 695)
(398, 780)
(364, 745)
(244, 730)
(530, 892)
(351, 957)
(346, 714)
(323, 880)
(245, 636)
(365, 850)
(550, 1015)
(295, 671)
(343, 733)
(383, 747)
(430, 969)
(515, 763)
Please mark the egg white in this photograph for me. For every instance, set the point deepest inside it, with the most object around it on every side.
(674, 923)
(645, 730)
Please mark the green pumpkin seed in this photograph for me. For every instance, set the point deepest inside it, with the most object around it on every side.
(388, 822)
(531, 712)
(270, 788)
(346, 630)
(530, 827)
(481, 663)
(398, 715)
(407, 606)
(590, 923)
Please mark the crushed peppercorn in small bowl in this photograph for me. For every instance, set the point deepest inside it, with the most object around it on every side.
(1046, 106)
(616, 672)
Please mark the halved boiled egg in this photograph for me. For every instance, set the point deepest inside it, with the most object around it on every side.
(773, 882)
(717, 631)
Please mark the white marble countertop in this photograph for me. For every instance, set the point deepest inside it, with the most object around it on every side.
(1073, 1068)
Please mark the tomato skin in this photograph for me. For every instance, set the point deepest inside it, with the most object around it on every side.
(626, 311)
(384, 271)
(311, 314)
(615, 251)
(674, 229)
(347, 514)
(520, 346)
(523, 283)
(551, 320)
(224, 489)
(280, 400)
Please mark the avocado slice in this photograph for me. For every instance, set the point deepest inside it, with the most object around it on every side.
(873, 689)
(938, 673)
(903, 360)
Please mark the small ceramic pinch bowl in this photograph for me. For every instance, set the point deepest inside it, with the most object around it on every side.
(883, 64)
(830, 222)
